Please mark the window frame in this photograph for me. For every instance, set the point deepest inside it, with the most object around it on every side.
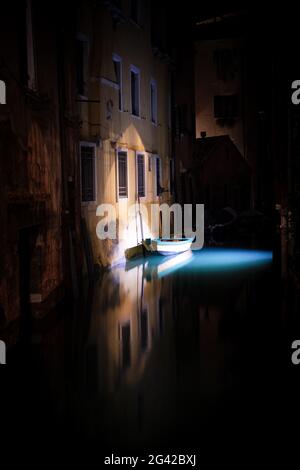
(157, 157)
(89, 144)
(153, 83)
(137, 154)
(122, 150)
(135, 70)
(118, 59)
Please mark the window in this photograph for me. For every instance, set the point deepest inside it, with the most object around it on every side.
(226, 107)
(88, 172)
(122, 175)
(135, 91)
(82, 65)
(30, 48)
(2, 92)
(141, 187)
(227, 63)
(118, 73)
(181, 119)
(158, 176)
(153, 101)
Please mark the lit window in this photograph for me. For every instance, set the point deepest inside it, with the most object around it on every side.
(2, 92)
(141, 175)
(122, 175)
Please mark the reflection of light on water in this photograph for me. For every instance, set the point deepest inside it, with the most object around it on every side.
(215, 259)
(173, 263)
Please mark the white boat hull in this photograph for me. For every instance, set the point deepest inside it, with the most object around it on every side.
(169, 247)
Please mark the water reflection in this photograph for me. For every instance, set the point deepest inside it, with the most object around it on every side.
(164, 354)
(165, 342)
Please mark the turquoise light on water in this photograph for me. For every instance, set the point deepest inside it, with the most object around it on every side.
(222, 259)
(208, 260)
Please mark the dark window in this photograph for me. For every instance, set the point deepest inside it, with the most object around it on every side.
(87, 155)
(141, 175)
(158, 176)
(135, 93)
(126, 350)
(144, 329)
(153, 101)
(181, 119)
(134, 11)
(81, 54)
(122, 174)
(226, 107)
(227, 63)
(117, 67)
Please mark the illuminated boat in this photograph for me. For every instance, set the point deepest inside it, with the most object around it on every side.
(168, 246)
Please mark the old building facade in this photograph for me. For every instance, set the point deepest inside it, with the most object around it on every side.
(123, 84)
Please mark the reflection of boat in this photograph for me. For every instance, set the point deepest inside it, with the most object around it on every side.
(168, 246)
(156, 268)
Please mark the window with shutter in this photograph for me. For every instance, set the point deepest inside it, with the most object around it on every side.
(141, 175)
(87, 159)
(122, 175)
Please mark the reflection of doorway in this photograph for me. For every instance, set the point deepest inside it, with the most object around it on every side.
(24, 282)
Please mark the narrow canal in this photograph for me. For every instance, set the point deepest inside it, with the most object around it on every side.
(165, 353)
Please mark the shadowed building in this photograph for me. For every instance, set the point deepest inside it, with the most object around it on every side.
(38, 167)
(221, 173)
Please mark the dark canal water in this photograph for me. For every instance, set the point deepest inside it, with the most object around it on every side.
(184, 353)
